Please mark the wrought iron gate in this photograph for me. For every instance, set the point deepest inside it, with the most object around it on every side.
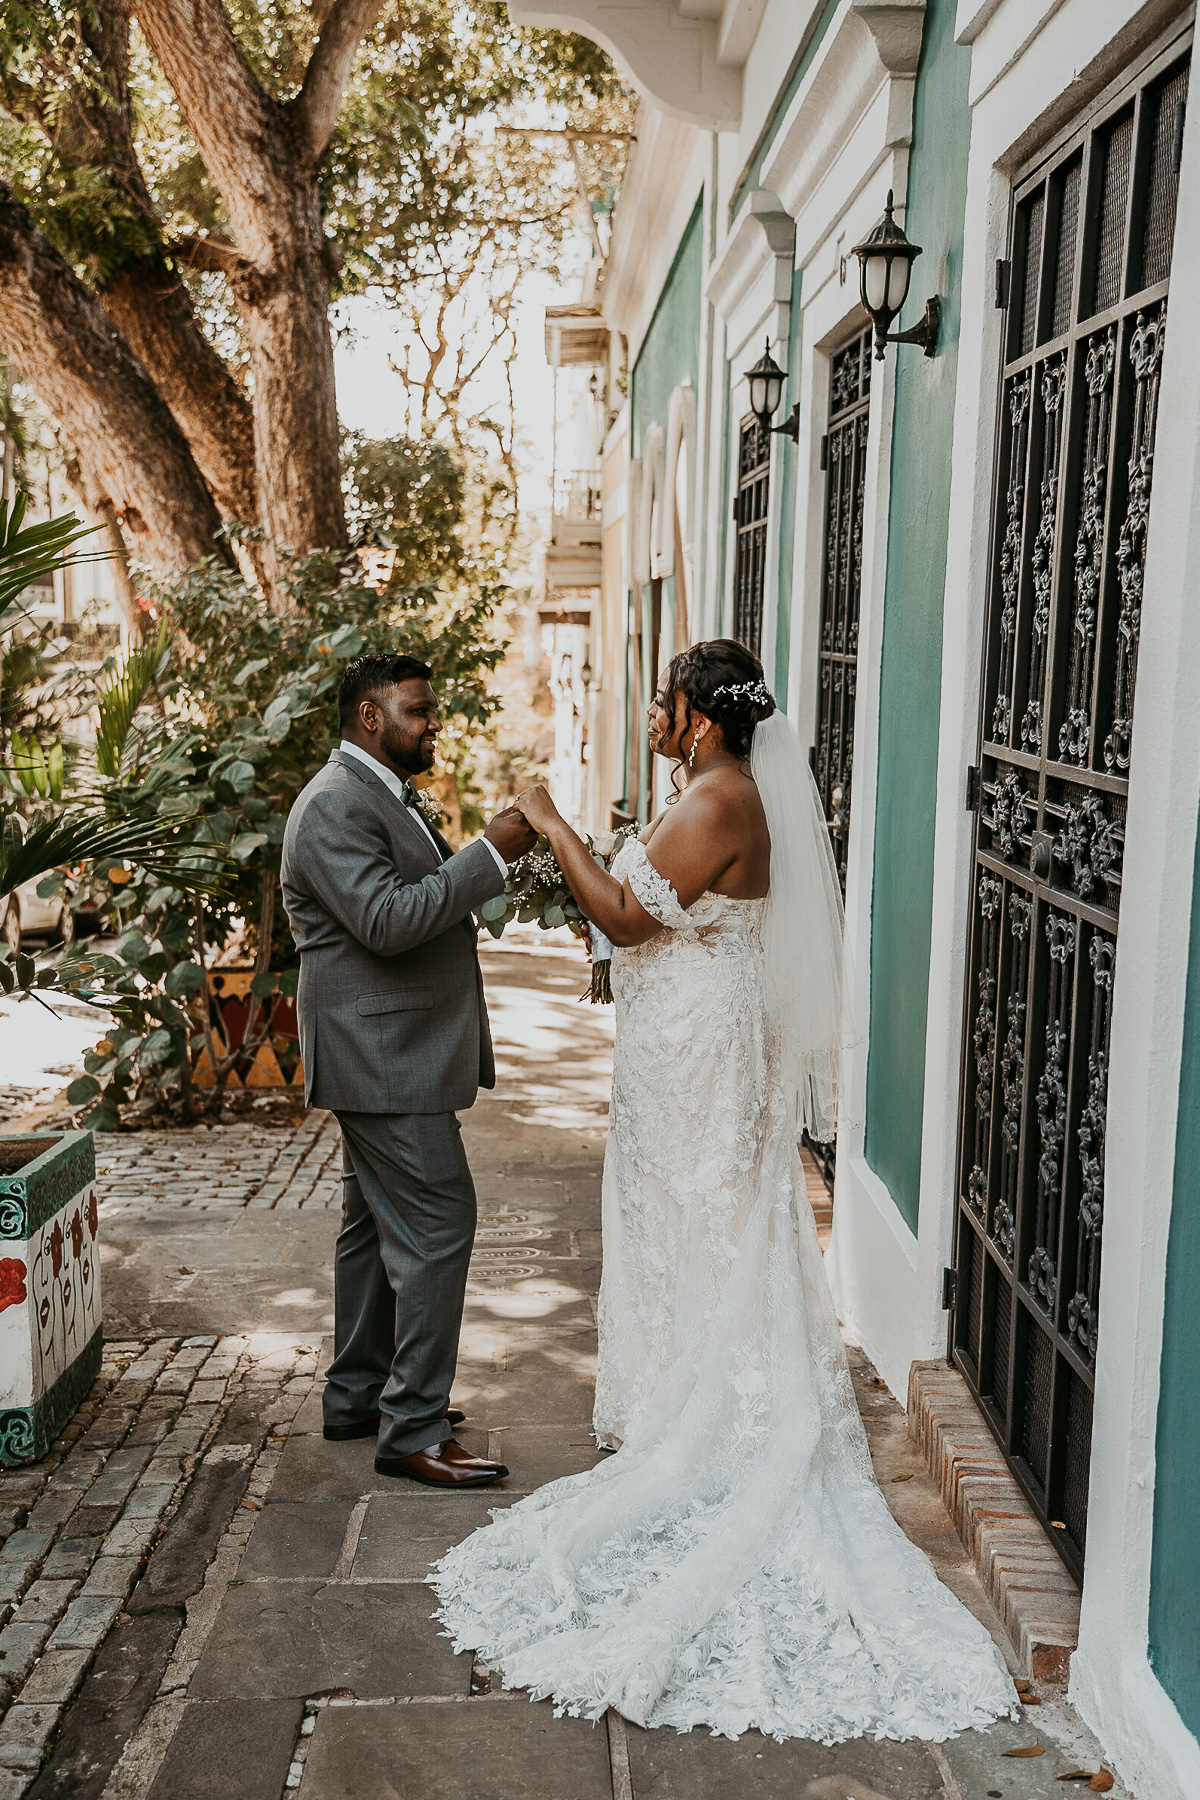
(750, 519)
(1087, 302)
(844, 458)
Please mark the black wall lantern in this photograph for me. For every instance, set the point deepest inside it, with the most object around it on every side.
(766, 380)
(885, 260)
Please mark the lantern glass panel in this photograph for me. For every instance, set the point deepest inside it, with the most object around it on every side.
(899, 276)
(758, 395)
(875, 282)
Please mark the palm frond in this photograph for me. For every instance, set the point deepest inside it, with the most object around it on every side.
(121, 696)
(84, 834)
(35, 772)
(29, 555)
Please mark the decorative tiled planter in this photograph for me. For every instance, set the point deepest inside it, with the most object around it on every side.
(50, 1330)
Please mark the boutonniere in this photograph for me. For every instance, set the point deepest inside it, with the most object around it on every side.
(429, 807)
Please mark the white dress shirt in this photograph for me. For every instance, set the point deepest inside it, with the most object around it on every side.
(390, 779)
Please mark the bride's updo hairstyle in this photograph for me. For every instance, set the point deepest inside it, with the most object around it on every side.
(724, 681)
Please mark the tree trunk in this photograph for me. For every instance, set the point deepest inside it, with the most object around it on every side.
(263, 158)
(152, 310)
(129, 444)
(285, 314)
(144, 296)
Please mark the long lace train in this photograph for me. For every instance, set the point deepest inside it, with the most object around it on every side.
(734, 1564)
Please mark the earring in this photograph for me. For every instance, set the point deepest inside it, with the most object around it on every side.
(692, 755)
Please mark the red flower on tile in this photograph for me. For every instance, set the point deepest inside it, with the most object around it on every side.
(12, 1281)
(76, 1235)
(56, 1248)
(93, 1214)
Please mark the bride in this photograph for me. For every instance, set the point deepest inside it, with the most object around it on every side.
(734, 1563)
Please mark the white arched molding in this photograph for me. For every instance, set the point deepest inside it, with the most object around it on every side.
(751, 279)
(630, 533)
(648, 508)
(680, 451)
(687, 65)
(853, 109)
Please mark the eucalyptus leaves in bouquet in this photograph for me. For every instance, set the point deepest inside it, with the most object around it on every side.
(535, 893)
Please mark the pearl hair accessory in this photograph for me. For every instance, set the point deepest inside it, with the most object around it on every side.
(752, 690)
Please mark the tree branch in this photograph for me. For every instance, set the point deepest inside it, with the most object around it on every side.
(142, 295)
(213, 255)
(56, 332)
(235, 122)
(316, 107)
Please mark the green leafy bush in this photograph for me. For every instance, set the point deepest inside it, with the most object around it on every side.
(214, 737)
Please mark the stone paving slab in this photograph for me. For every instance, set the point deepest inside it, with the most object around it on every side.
(234, 1749)
(403, 1534)
(277, 1638)
(297, 1538)
(536, 1454)
(488, 1750)
(671, 1765)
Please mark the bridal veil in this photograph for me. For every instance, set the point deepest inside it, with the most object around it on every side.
(809, 1011)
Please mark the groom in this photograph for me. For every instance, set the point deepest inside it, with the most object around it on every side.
(395, 1040)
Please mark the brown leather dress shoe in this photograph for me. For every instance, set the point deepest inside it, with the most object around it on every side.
(443, 1465)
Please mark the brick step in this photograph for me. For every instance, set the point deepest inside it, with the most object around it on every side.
(1026, 1579)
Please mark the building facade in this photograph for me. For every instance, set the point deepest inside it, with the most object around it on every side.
(972, 579)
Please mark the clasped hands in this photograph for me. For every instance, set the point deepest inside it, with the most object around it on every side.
(515, 830)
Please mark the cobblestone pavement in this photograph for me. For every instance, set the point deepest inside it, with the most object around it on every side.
(246, 1164)
(202, 1600)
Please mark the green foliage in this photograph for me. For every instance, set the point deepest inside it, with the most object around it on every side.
(248, 716)
(103, 834)
(29, 848)
(410, 497)
(535, 893)
(29, 553)
(120, 695)
(35, 772)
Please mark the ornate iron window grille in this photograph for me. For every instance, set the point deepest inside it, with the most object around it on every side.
(750, 520)
(845, 459)
(1091, 236)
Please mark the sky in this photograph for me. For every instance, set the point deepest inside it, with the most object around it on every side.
(371, 396)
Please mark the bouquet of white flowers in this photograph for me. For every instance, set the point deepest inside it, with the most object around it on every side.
(534, 892)
(537, 893)
(604, 846)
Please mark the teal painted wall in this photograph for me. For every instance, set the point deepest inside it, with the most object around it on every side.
(787, 500)
(910, 680)
(670, 354)
(670, 351)
(1174, 1565)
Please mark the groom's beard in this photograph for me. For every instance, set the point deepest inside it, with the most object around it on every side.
(412, 754)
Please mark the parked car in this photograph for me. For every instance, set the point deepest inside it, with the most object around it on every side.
(26, 914)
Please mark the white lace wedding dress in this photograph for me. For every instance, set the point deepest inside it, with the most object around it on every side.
(734, 1564)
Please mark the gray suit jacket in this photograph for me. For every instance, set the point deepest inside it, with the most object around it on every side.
(392, 1014)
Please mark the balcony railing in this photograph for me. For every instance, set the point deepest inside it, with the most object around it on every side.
(577, 498)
